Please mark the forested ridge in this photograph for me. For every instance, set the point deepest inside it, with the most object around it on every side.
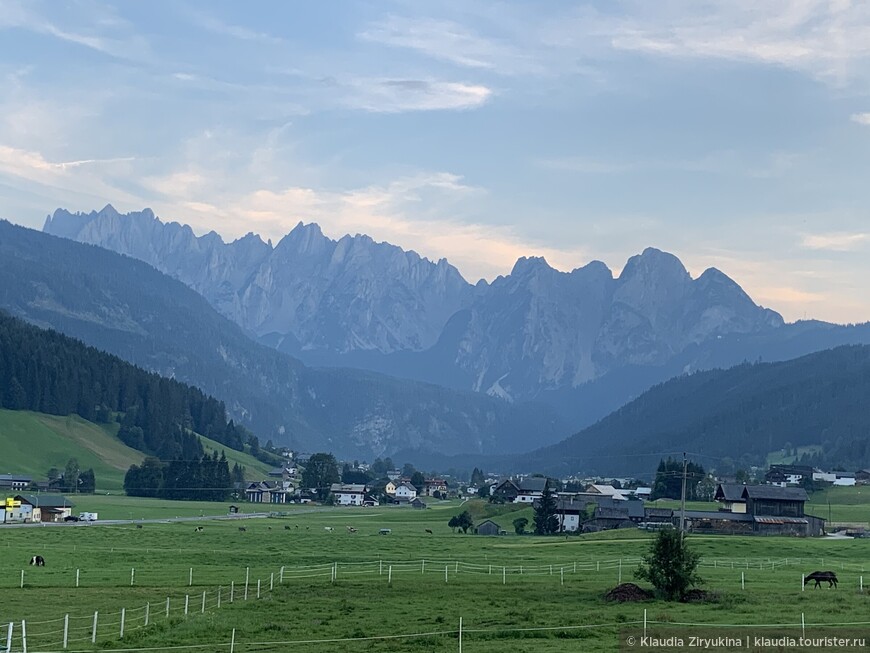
(45, 371)
(733, 418)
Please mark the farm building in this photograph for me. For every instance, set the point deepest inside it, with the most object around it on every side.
(433, 485)
(46, 507)
(265, 492)
(767, 510)
(730, 495)
(488, 527)
(596, 512)
(521, 491)
(418, 503)
(14, 482)
(405, 493)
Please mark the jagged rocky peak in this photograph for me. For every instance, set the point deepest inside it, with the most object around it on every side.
(654, 264)
(526, 265)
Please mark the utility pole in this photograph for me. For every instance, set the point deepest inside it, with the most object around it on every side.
(683, 500)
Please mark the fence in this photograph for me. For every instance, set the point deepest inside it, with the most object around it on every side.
(455, 639)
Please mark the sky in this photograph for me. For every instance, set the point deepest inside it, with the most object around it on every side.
(734, 134)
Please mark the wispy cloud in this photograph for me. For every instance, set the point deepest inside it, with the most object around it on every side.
(836, 242)
(214, 25)
(861, 118)
(397, 95)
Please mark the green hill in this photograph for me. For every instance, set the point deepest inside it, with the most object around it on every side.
(254, 469)
(32, 443)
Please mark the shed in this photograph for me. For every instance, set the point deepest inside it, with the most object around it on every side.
(418, 503)
(488, 527)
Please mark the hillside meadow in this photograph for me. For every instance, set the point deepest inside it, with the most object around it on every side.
(525, 593)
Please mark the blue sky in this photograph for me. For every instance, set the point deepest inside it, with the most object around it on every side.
(733, 134)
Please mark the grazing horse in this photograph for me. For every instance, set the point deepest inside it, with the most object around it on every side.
(39, 561)
(429, 530)
(820, 577)
(198, 529)
(242, 529)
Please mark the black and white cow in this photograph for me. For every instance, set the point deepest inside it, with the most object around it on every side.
(38, 561)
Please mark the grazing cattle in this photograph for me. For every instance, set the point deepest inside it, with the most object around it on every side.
(429, 530)
(198, 529)
(39, 561)
(138, 525)
(328, 529)
(242, 529)
(820, 577)
(269, 528)
(351, 529)
(287, 528)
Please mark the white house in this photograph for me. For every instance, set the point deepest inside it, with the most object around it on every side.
(846, 479)
(348, 494)
(405, 492)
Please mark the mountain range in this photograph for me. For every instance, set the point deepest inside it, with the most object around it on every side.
(584, 342)
(128, 308)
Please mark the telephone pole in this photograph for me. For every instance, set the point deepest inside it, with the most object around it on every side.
(683, 500)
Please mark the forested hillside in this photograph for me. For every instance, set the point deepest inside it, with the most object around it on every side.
(732, 418)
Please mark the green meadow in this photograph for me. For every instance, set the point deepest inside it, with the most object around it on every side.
(404, 591)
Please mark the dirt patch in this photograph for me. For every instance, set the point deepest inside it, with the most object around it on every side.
(628, 592)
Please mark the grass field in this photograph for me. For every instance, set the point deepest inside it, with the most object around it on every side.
(495, 584)
(32, 443)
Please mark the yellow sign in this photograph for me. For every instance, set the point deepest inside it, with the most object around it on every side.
(12, 503)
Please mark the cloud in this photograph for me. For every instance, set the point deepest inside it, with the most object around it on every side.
(216, 26)
(861, 118)
(829, 41)
(835, 242)
(398, 95)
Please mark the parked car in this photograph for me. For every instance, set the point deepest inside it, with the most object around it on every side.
(70, 518)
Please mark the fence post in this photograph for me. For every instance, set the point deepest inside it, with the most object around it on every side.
(65, 630)
(457, 567)
(147, 613)
(258, 588)
(77, 577)
(132, 576)
(94, 629)
(644, 622)
(22, 579)
(390, 575)
(219, 597)
(190, 578)
(803, 582)
(271, 581)
(232, 589)
(281, 576)
(186, 603)
(460, 634)
(803, 626)
(445, 573)
(598, 565)
(167, 607)
(9, 639)
(503, 575)
(233, 642)
(423, 567)
(619, 581)
(380, 567)
(561, 576)
(742, 580)
(860, 583)
(123, 615)
(23, 636)
(247, 578)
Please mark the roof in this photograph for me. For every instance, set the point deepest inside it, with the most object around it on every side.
(729, 492)
(46, 500)
(349, 488)
(774, 493)
(658, 512)
(607, 490)
(715, 515)
(532, 484)
(15, 477)
(781, 520)
(406, 485)
(488, 521)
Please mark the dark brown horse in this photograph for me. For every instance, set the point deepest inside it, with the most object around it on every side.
(820, 577)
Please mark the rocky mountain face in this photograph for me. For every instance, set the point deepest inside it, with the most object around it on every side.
(354, 302)
(321, 294)
(128, 308)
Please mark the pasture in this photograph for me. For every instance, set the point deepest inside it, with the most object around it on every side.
(338, 585)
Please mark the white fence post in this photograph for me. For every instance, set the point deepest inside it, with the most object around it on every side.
(77, 577)
(9, 639)
(561, 576)
(94, 629)
(247, 578)
(65, 630)
(803, 626)
(190, 578)
(390, 575)
(860, 583)
(23, 636)
(271, 581)
(803, 582)
(281, 576)
(233, 642)
(232, 589)
(460, 634)
(22, 579)
(219, 597)
(132, 576)
(644, 622)
(258, 588)
(147, 613)
(619, 581)
(742, 580)
(423, 567)
(167, 607)
(445, 573)
(186, 603)
(123, 615)
(503, 575)
(202, 611)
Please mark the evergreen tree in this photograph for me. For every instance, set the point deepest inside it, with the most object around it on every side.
(546, 521)
(670, 565)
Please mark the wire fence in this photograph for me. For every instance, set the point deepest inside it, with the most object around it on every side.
(448, 639)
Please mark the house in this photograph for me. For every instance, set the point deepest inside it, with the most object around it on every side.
(348, 494)
(658, 515)
(433, 485)
(488, 527)
(405, 492)
(791, 474)
(14, 482)
(730, 495)
(606, 490)
(862, 476)
(571, 513)
(769, 510)
(46, 507)
(418, 503)
(845, 479)
(521, 491)
(16, 512)
(265, 492)
(390, 488)
(605, 519)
